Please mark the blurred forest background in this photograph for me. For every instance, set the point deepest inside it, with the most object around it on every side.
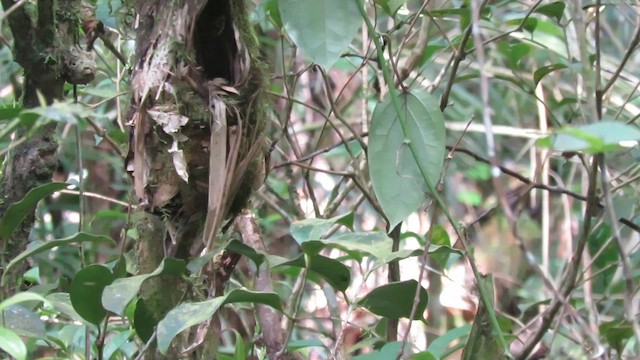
(446, 179)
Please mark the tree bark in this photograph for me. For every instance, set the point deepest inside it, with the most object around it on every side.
(196, 149)
(44, 48)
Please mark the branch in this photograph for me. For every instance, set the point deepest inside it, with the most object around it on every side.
(574, 265)
(634, 44)
(506, 170)
(458, 56)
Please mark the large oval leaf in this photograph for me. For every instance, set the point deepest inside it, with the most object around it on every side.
(144, 321)
(86, 292)
(323, 29)
(119, 294)
(23, 322)
(395, 176)
(12, 344)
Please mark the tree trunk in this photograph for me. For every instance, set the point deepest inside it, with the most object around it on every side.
(46, 47)
(196, 148)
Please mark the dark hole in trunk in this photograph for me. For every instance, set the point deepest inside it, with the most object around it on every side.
(214, 40)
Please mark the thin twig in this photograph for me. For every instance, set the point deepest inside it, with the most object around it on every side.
(630, 305)
(103, 134)
(147, 346)
(14, 7)
(634, 44)
(98, 196)
(572, 272)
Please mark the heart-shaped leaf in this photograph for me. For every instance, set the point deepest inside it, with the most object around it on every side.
(86, 292)
(397, 180)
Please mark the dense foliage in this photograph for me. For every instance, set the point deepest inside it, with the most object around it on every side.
(445, 179)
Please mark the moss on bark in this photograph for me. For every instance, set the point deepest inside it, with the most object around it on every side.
(203, 52)
(39, 43)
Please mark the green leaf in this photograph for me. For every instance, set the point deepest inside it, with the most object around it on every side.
(441, 254)
(483, 341)
(62, 303)
(107, 11)
(38, 247)
(425, 355)
(608, 256)
(395, 255)
(314, 229)
(255, 297)
(119, 136)
(395, 300)
(183, 317)
(144, 321)
(61, 111)
(440, 346)
(120, 267)
(198, 263)
(119, 294)
(12, 344)
(186, 315)
(439, 236)
(390, 6)
(480, 171)
(240, 352)
(271, 9)
(116, 343)
(599, 137)
(617, 334)
(529, 24)
(395, 176)
(10, 112)
(374, 243)
(389, 351)
(543, 71)
(17, 212)
(86, 291)
(553, 10)
(374, 341)
(243, 249)
(23, 322)
(514, 52)
(20, 298)
(296, 345)
(332, 271)
(472, 198)
(323, 29)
